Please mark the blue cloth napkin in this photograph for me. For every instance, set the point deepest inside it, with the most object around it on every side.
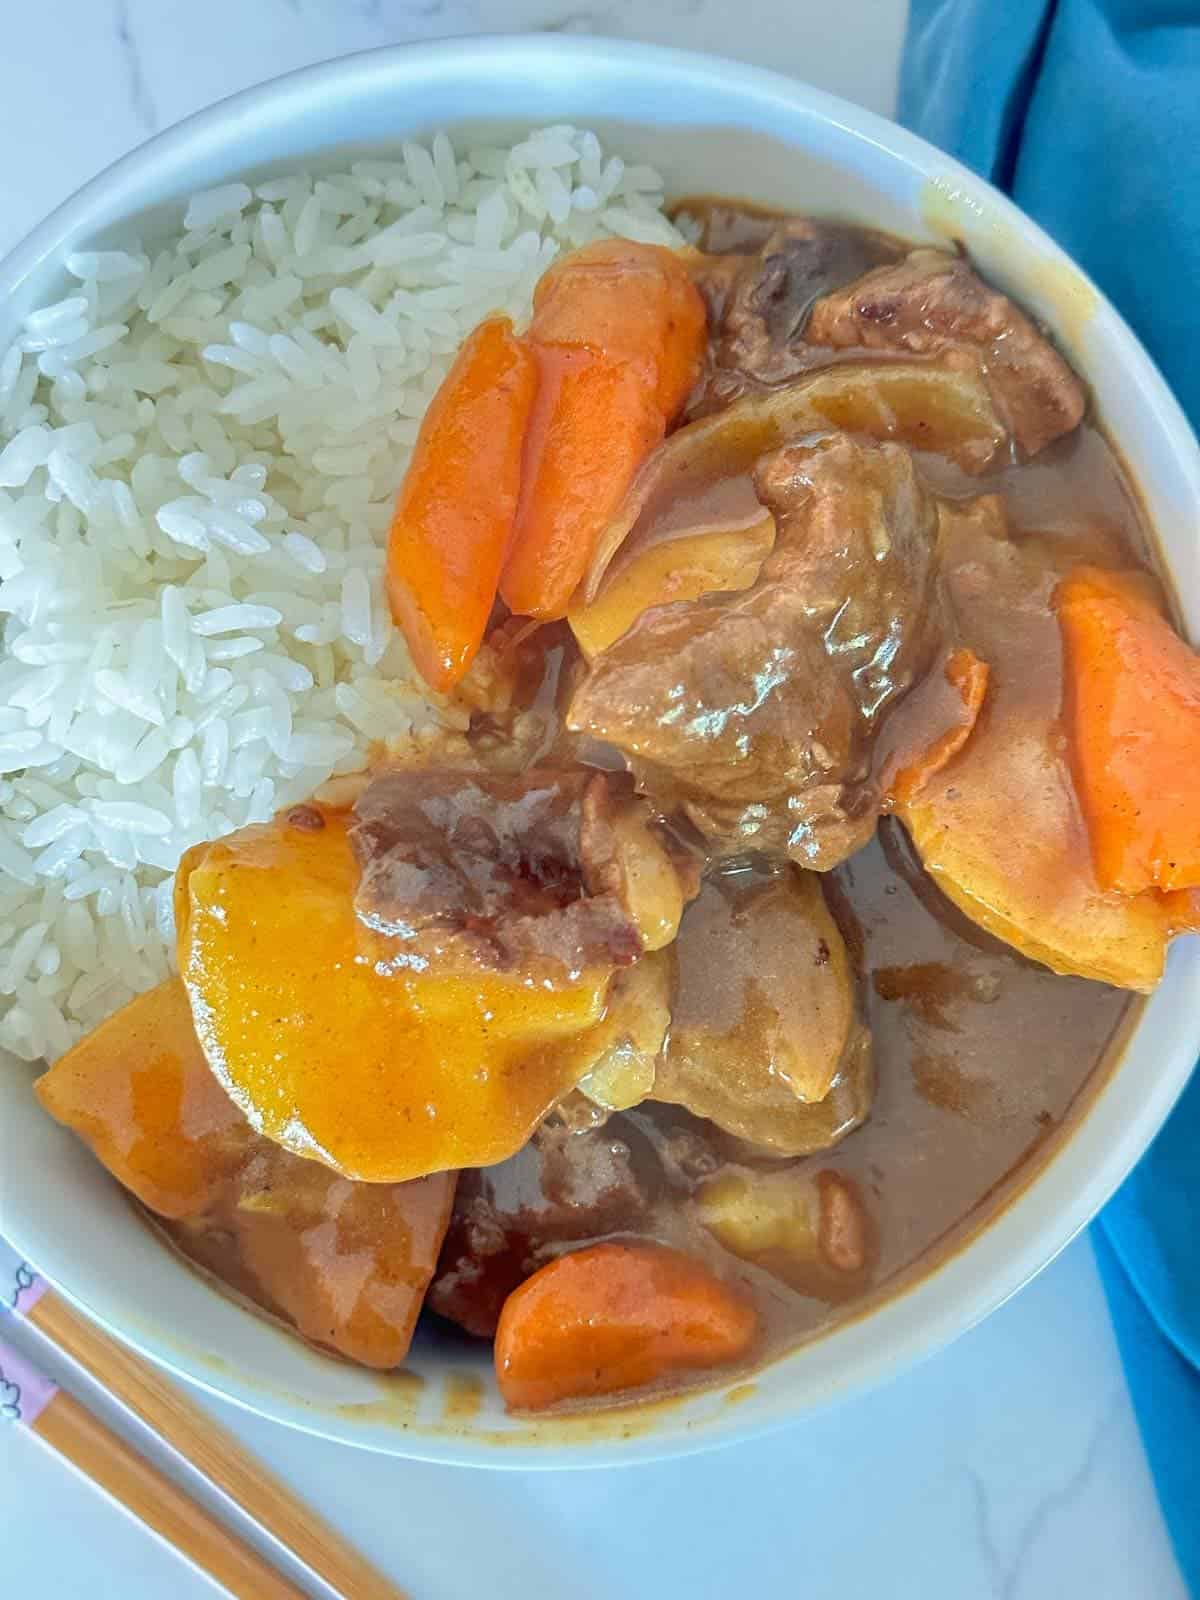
(1088, 113)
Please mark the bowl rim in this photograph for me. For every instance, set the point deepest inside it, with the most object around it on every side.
(932, 1316)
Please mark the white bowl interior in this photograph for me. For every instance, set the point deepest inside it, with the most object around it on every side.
(710, 127)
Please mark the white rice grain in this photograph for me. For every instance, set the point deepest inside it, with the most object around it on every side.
(215, 205)
(228, 619)
(200, 446)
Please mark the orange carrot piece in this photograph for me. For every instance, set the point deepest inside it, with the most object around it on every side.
(454, 515)
(967, 675)
(618, 330)
(1183, 909)
(593, 424)
(630, 302)
(1133, 699)
(613, 1317)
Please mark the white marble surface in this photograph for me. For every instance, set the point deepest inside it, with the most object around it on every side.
(1008, 1467)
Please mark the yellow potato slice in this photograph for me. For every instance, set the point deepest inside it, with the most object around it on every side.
(332, 1047)
(809, 1228)
(999, 829)
(717, 560)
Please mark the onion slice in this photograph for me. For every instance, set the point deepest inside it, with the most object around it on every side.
(926, 407)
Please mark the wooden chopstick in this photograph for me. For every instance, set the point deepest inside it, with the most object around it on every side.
(210, 1448)
(59, 1421)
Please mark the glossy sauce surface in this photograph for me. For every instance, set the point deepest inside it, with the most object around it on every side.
(980, 1055)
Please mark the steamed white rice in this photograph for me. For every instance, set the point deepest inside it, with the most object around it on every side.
(200, 444)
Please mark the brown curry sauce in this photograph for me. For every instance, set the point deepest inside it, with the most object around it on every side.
(980, 1055)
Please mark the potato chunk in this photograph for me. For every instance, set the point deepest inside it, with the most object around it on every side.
(347, 1263)
(810, 1229)
(339, 1045)
(999, 828)
(764, 1040)
(677, 567)
(622, 1051)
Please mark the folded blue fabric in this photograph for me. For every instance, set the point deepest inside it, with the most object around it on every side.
(1088, 113)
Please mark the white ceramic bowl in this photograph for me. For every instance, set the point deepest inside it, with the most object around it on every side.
(710, 126)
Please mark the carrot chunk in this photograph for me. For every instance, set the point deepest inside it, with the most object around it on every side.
(138, 1090)
(612, 1317)
(454, 515)
(1183, 909)
(967, 677)
(618, 331)
(631, 302)
(1133, 708)
(593, 423)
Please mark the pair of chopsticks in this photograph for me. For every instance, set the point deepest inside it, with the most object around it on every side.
(60, 1422)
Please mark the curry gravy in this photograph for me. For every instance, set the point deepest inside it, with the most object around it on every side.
(982, 1058)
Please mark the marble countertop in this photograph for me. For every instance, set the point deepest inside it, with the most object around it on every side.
(1008, 1466)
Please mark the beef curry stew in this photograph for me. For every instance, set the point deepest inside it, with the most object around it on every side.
(778, 900)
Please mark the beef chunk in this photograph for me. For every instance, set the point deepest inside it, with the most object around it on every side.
(563, 1187)
(726, 710)
(755, 713)
(932, 304)
(544, 872)
(857, 542)
(759, 304)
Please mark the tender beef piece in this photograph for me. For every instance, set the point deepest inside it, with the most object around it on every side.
(563, 1187)
(932, 304)
(755, 713)
(765, 1036)
(529, 871)
(759, 305)
(726, 710)
(858, 542)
